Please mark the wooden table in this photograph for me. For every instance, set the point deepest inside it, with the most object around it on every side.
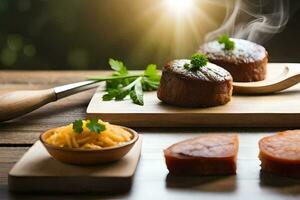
(151, 180)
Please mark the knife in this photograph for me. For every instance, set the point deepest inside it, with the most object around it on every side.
(17, 103)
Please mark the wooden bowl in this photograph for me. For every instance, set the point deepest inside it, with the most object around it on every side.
(88, 156)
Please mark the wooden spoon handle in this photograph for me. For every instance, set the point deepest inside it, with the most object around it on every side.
(17, 103)
(287, 79)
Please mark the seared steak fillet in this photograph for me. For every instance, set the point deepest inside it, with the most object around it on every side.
(207, 86)
(246, 62)
(280, 153)
(211, 154)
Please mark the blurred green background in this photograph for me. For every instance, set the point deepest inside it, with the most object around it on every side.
(78, 34)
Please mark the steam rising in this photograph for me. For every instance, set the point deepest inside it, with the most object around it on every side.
(254, 20)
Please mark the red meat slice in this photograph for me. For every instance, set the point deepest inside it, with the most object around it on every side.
(213, 154)
(280, 153)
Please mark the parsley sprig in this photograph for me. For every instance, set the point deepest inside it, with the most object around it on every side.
(77, 126)
(197, 60)
(122, 84)
(228, 44)
(93, 124)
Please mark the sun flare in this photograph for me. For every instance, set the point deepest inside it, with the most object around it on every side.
(179, 7)
(178, 25)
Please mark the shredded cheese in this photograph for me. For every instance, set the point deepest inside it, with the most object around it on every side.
(66, 137)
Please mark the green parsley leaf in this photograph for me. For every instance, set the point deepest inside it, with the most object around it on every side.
(228, 44)
(107, 97)
(137, 94)
(118, 66)
(151, 79)
(198, 60)
(186, 66)
(152, 73)
(122, 83)
(95, 126)
(77, 126)
(122, 93)
(115, 94)
(149, 85)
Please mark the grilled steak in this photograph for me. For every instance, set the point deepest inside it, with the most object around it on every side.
(246, 62)
(207, 86)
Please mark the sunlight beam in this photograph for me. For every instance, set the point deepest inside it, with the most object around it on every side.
(179, 7)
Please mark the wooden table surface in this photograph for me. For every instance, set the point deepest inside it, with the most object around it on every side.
(151, 180)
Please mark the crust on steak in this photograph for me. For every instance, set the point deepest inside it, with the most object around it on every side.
(247, 62)
(209, 86)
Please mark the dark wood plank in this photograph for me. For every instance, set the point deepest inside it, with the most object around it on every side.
(45, 78)
(8, 157)
(11, 154)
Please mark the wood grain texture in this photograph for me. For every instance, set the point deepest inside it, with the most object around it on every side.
(277, 110)
(150, 179)
(289, 77)
(37, 171)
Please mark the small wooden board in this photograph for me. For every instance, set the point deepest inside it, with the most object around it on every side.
(37, 171)
(277, 110)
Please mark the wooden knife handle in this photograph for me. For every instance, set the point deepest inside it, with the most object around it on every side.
(17, 103)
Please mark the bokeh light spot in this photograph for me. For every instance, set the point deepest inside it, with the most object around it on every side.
(14, 42)
(8, 57)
